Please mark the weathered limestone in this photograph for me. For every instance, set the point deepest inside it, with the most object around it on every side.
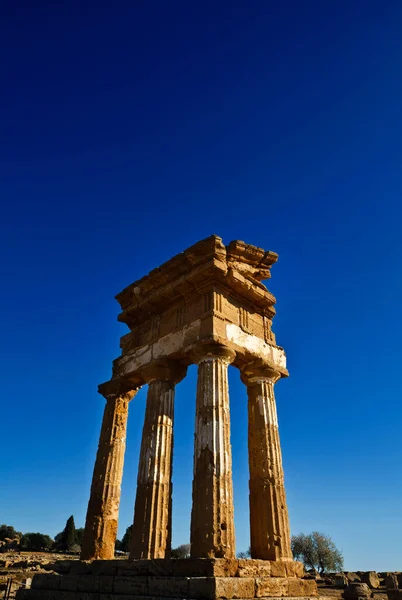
(371, 578)
(152, 528)
(203, 579)
(212, 518)
(269, 522)
(103, 507)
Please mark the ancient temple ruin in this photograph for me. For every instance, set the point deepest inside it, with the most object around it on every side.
(206, 306)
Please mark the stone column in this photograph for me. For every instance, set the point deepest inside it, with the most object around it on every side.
(212, 523)
(269, 521)
(103, 507)
(152, 527)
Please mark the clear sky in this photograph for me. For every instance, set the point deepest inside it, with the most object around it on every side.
(129, 131)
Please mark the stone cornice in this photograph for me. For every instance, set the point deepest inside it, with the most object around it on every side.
(238, 267)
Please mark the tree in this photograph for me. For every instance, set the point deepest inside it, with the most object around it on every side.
(246, 554)
(182, 551)
(59, 540)
(117, 546)
(8, 532)
(79, 535)
(69, 533)
(317, 551)
(35, 541)
(67, 540)
(125, 542)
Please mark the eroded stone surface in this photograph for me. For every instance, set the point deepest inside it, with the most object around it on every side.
(103, 507)
(269, 521)
(210, 579)
(212, 517)
(371, 578)
(152, 529)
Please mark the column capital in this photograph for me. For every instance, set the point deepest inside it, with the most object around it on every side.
(256, 371)
(118, 388)
(205, 352)
(163, 370)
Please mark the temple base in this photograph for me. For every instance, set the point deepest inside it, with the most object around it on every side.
(191, 578)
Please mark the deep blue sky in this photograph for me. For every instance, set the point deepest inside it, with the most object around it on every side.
(130, 131)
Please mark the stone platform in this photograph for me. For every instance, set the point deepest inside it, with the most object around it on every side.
(182, 579)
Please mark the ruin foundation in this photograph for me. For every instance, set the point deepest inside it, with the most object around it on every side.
(206, 306)
(208, 579)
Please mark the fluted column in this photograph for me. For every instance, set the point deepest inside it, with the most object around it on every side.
(103, 507)
(152, 527)
(212, 522)
(269, 521)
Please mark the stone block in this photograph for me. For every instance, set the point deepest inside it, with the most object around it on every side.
(253, 568)
(70, 596)
(391, 581)
(46, 581)
(21, 594)
(278, 568)
(62, 566)
(340, 580)
(294, 568)
(134, 586)
(211, 588)
(88, 583)
(106, 584)
(174, 587)
(79, 596)
(80, 567)
(357, 591)
(69, 583)
(55, 595)
(234, 587)
(105, 567)
(302, 587)
(201, 587)
(371, 578)
(117, 597)
(204, 567)
(160, 566)
(352, 577)
(48, 594)
(271, 586)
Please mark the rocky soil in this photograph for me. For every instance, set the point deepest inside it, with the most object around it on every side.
(20, 567)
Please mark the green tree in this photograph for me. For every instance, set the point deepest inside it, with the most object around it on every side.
(182, 551)
(36, 542)
(7, 531)
(317, 551)
(125, 542)
(69, 533)
(66, 540)
(246, 554)
(117, 545)
(79, 534)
